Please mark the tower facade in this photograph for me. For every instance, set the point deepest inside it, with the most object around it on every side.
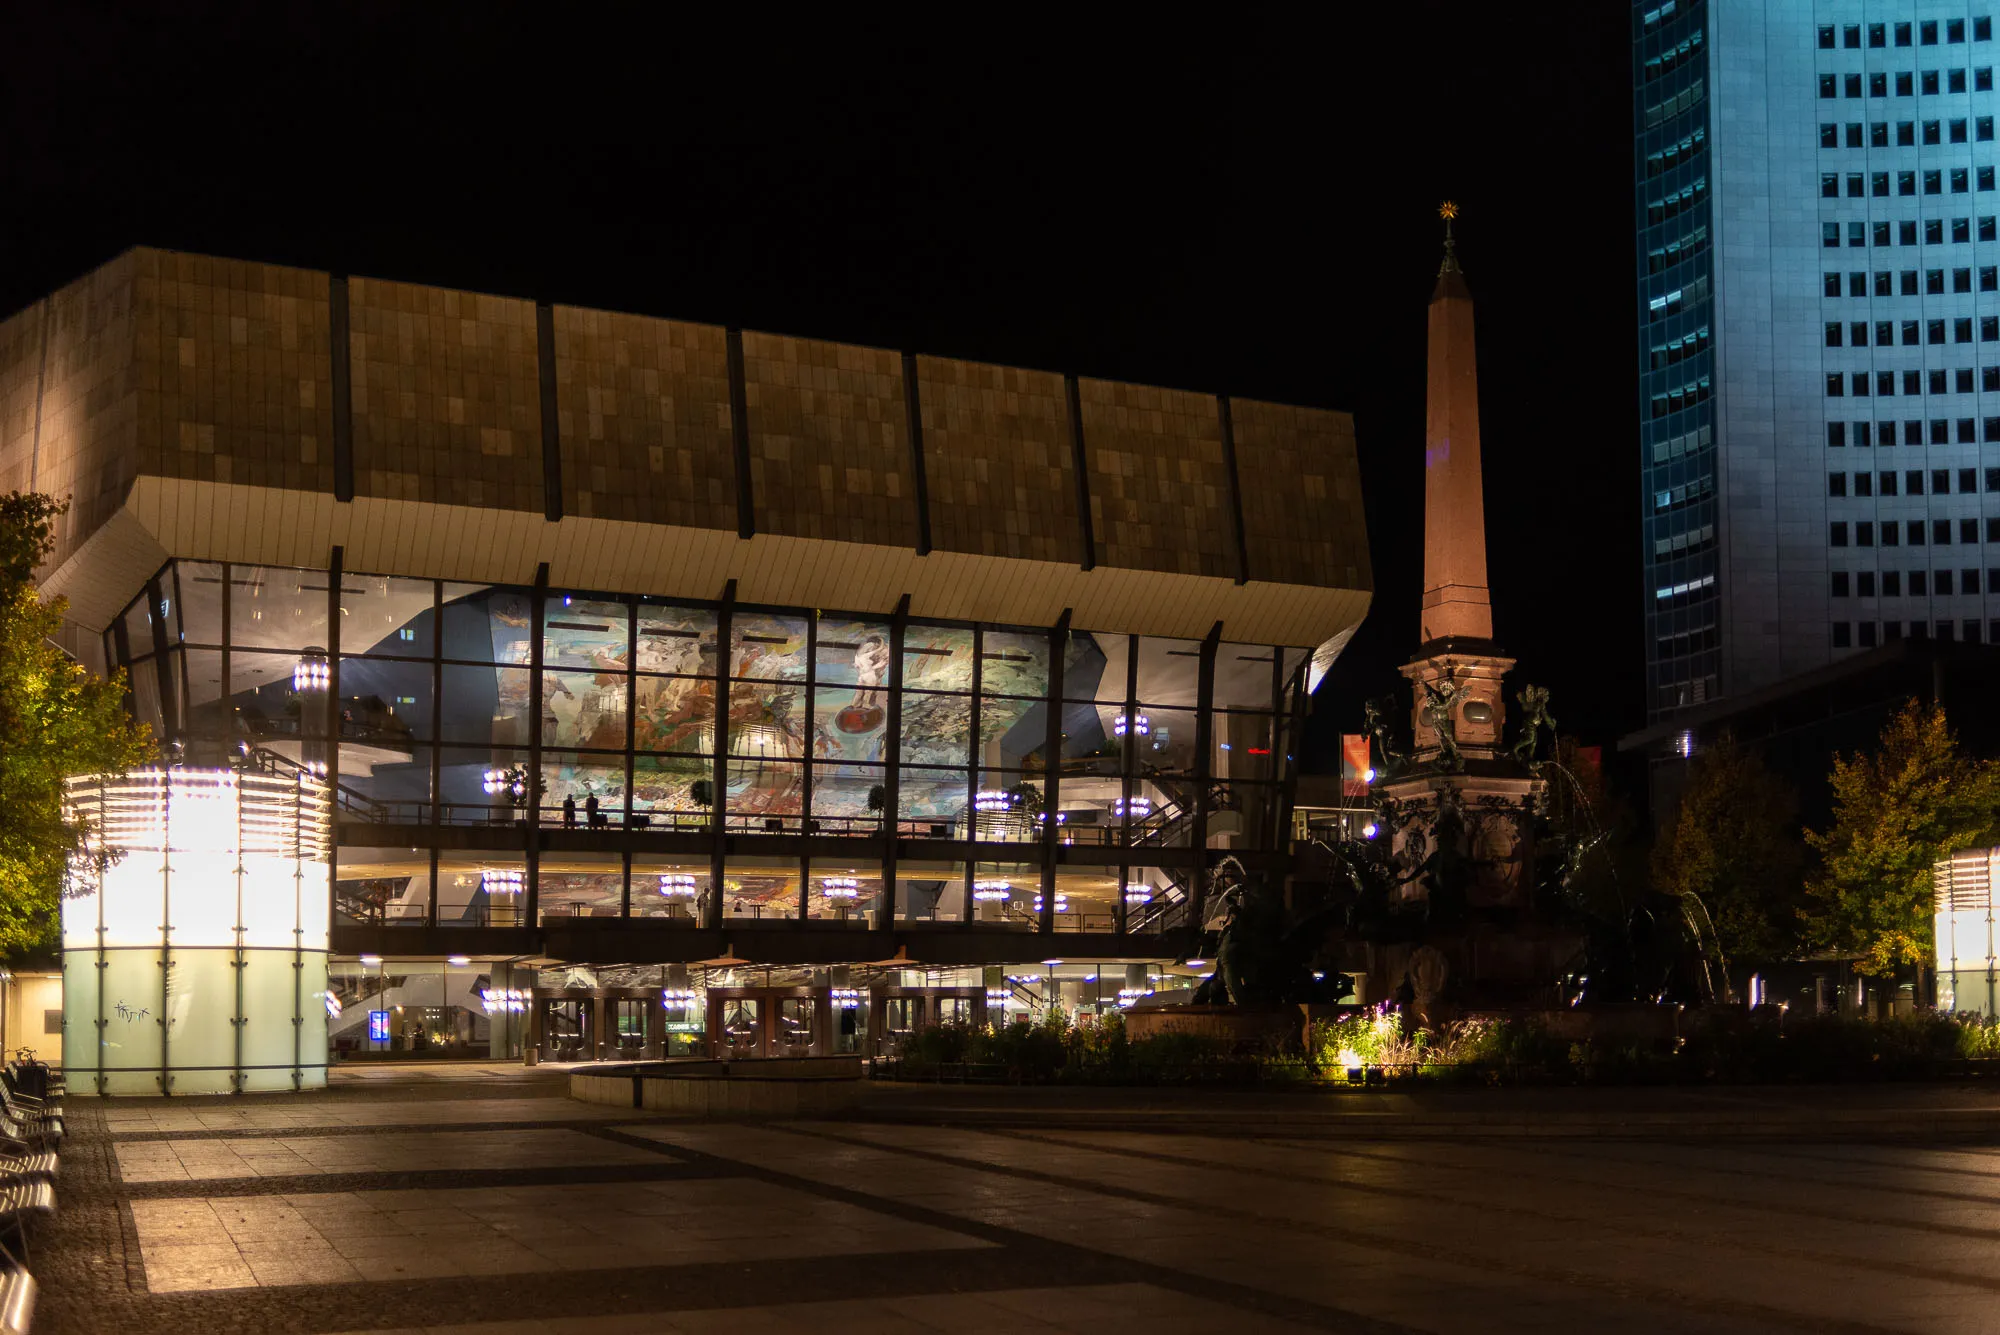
(1818, 275)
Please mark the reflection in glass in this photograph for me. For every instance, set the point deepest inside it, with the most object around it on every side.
(385, 702)
(582, 790)
(937, 658)
(930, 891)
(389, 785)
(850, 695)
(663, 785)
(937, 729)
(1014, 663)
(386, 616)
(933, 797)
(583, 632)
(1094, 666)
(583, 709)
(767, 647)
(581, 885)
(484, 624)
(795, 1026)
(676, 639)
(674, 714)
(742, 1025)
(849, 794)
(481, 889)
(200, 619)
(1243, 676)
(1244, 746)
(462, 785)
(271, 607)
(486, 705)
(1170, 671)
(761, 888)
(209, 714)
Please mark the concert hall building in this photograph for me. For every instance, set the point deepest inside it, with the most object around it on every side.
(685, 688)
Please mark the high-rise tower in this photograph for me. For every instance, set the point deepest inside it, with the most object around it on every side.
(1818, 334)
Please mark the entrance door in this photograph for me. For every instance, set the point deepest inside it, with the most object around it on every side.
(628, 1028)
(794, 1034)
(742, 1027)
(901, 1017)
(566, 1029)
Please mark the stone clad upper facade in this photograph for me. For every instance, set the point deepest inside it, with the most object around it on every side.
(187, 406)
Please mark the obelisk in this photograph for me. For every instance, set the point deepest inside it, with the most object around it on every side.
(1455, 625)
(1455, 603)
(1458, 675)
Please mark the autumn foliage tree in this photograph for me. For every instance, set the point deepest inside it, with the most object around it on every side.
(56, 719)
(1734, 846)
(1896, 812)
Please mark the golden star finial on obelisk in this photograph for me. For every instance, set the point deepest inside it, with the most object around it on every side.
(1447, 211)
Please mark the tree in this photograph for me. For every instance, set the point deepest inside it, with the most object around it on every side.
(1734, 846)
(56, 719)
(1895, 813)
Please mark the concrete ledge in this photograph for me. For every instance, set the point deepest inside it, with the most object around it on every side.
(772, 1087)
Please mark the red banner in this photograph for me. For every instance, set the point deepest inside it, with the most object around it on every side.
(1354, 764)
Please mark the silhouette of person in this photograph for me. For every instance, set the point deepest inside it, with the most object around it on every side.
(569, 812)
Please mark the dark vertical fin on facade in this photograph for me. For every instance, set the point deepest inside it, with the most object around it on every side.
(545, 360)
(1227, 425)
(1204, 767)
(913, 413)
(718, 772)
(1080, 467)
(340, 349)
(739, 436)
(156, 622)
(899, 621)
(336, 574)
(538, 604)
(1052, 740)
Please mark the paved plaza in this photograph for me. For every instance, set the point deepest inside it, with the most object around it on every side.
(483, 1200)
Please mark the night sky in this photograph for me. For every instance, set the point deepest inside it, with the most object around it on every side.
(1243, 211)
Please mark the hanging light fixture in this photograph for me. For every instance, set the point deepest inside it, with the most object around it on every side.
(1138, 892)
(311, 673)
(500, 881)
(1062, 903)
(1137, 808)
(1136, 724)
(992, 800)
(846, 998)
(676, 885)
(991, 892)
(840, 887)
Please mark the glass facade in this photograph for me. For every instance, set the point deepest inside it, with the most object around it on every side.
(518, 757)
(1676, 262)
(1820, 358)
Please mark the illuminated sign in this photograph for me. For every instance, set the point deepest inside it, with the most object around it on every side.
(378, 1026)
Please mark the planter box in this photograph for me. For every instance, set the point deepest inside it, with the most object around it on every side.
(777, 1087)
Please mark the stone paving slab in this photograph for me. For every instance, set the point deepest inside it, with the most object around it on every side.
(383, 1152)
(393, 1202)
(237, 1242)
(270, 1113)
(1105, 1309)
